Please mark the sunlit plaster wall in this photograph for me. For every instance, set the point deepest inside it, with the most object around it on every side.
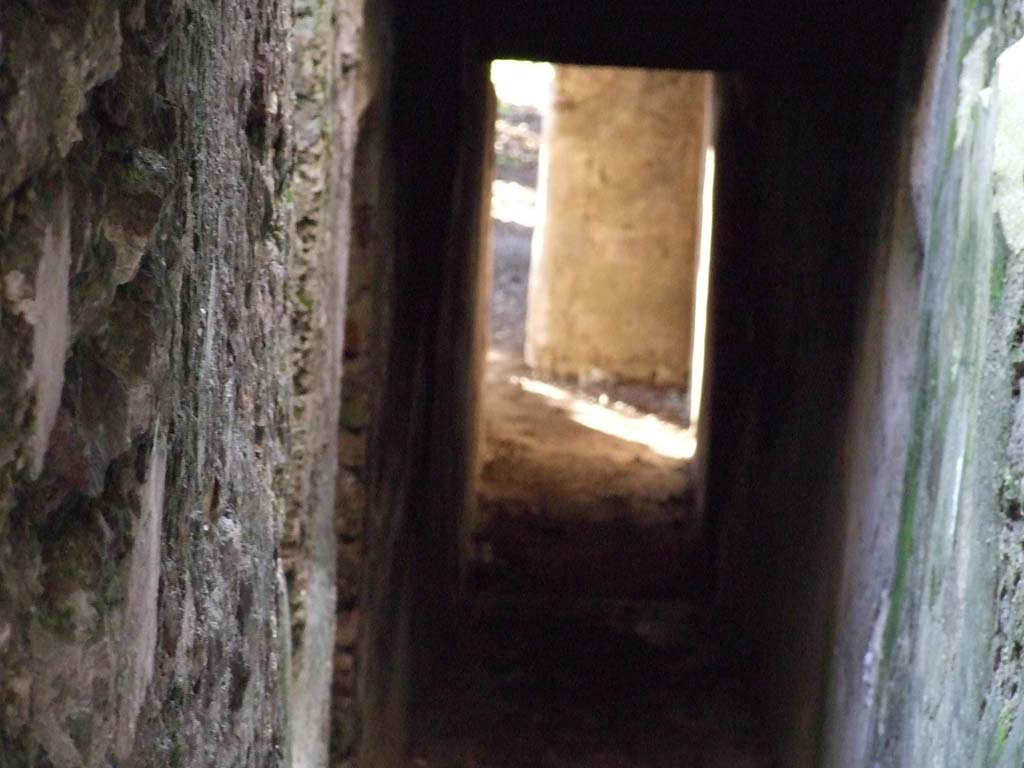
(614, 265)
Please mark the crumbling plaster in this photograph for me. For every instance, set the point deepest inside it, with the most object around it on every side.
(159, 354)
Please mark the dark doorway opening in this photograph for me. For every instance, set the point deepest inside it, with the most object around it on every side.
(801, 171)
(584, 636)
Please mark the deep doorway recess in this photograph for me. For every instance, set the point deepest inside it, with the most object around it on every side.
(585, 631)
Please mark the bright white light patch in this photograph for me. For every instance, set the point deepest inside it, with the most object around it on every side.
(662, 437)
(534, 387)
(514, 203)
(523, 83)
(700, 319)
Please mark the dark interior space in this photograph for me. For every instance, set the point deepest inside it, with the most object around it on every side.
(800, 195)
(582, 637)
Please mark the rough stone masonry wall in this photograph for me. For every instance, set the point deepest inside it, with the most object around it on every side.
(365, 344)
(325, 66)
(928, 663)
(163, 345)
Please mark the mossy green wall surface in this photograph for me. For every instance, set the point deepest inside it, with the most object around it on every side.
(927, 659)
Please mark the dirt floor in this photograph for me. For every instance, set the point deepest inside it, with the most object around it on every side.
(582, 646)
(585, 487)
(564, 508)
(558, 683)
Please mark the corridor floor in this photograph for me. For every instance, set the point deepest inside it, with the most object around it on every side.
(584, 683)
(584, 488)
(581, 643)
(581, 646)
(582, 497)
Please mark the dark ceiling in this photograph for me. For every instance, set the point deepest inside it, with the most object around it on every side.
(811, 35)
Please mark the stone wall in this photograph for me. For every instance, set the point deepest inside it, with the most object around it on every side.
(168, 378)
(615, 252)
(802, 189)
(326, 59)
(365, 348)
(425, 156)
(865, 468)
(927, 663)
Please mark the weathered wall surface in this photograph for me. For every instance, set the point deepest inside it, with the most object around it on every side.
(928, 663)
(163, 343)
(802, 171)
(615, 253)
(429, 145)
(867, 455)
(365, 347)
(326, 61)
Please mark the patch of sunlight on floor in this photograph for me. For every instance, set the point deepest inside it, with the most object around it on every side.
(617, 420)
(523, 83)
(514, 203)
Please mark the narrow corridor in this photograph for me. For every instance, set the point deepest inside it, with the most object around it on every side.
(584, 641)
(271, 498)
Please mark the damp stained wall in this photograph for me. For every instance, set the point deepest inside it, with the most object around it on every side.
(926, 662)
